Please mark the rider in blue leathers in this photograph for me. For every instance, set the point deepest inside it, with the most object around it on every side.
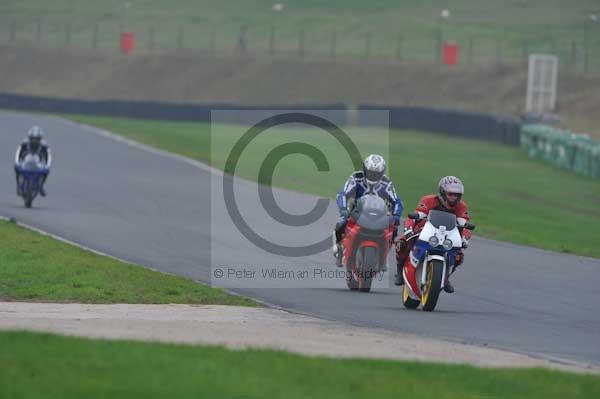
(372, 177)
(34, 144)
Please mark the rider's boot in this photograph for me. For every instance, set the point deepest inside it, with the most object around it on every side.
(401, 256)
(42, 190)
(399, 279)
(337, 250)
(338, 253)
(448, 287)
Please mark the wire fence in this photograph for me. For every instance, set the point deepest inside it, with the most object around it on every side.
(581, 53)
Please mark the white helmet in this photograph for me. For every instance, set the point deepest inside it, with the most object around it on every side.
(452, 185)
(373, 168)
(34, 136)
(35, 132)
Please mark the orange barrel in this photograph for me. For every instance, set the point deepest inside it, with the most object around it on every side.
(127, 42)
(450, 53)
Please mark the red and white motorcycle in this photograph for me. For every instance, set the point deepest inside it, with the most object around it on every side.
(432, 256)
(367, 241)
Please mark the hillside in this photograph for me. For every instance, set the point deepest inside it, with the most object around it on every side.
(193, 77)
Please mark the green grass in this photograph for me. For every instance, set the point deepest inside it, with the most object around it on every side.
(545, 25)
(511, 197)
(35, 365)
(34, 267)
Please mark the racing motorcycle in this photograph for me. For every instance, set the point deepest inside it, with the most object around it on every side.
(31, 169)
(431, 258)
(366, 242)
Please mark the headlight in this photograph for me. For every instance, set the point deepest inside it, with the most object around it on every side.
(447, 244)
(433, 241)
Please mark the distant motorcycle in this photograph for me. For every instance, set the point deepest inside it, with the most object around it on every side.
(434, 254)
(31, 169)
(367, 241)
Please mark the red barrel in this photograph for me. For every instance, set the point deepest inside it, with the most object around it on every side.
(450, 53)
(127, 42)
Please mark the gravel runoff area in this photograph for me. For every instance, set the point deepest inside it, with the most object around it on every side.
(242, 327)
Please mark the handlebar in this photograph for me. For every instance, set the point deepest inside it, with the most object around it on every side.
(417, 216)
(469, 226)
(42, 168)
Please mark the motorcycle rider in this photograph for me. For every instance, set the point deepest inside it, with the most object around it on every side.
(448, 199)
(371, 178)
(34, 144)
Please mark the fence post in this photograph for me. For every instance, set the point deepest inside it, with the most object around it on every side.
(180, 34)
(301, 44)
(12, 34)
(120, 31)
(241, 45)
(272, 40)
(213, 40)
(438, 41)
(586, 47)
(151, 39)
(525, 49)
(399, 46)
(368, 44)
(333, 44)
(470, 50)
(38, 31)
(498, 51)
(95, 37)
(68, 34)
(573, 56)
(554, 46)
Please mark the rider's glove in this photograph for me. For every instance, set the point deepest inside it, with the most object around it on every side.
(408, 233)
(465, 242)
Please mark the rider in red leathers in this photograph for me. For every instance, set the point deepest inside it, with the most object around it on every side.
(448, 199)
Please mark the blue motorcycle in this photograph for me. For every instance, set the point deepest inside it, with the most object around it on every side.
(31, 171)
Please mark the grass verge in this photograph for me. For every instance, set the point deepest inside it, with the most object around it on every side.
(511, 197)
(35, 365)
(34, 267)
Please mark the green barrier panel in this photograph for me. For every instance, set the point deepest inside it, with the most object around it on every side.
(562, 148)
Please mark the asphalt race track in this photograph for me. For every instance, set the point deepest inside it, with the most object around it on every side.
(158, 211)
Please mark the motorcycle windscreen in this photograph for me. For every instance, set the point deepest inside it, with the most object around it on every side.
(372, 212)
(440, 218)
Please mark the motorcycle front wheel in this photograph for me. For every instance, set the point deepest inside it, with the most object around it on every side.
(367, 266)
(433, 283)
(407, 300)
(27, 195)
